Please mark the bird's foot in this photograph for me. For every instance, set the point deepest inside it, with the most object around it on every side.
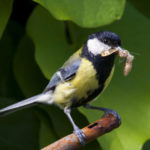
(80, 134)
(114, 113)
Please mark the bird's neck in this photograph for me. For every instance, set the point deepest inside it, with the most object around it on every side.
(102, 65)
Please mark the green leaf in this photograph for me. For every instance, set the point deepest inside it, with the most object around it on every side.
(19, 131)
(50, 42)
(85, 13)
(5, 12)
(27, 73)
(8, 44)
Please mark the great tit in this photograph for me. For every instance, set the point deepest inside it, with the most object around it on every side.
(80, 80)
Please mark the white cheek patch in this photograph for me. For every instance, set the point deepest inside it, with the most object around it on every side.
(96, 47)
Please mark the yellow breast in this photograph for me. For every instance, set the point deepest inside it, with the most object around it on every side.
(84, 81)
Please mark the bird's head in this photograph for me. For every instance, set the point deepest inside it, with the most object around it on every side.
(103, 43)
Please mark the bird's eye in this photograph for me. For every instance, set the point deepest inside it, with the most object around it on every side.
(106, 41)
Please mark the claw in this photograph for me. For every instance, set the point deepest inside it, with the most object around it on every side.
(80, 134)
(114, 113)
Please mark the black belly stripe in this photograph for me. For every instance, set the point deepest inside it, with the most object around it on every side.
(92, 95)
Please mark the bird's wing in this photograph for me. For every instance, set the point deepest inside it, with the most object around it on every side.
(66, 72)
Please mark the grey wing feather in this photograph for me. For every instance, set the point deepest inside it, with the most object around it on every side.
(67, 72)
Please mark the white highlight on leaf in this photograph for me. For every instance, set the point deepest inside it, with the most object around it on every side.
(96, 47)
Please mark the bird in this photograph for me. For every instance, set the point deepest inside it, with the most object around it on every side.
(81, 79)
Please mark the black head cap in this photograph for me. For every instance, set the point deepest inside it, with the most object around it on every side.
(107, 37)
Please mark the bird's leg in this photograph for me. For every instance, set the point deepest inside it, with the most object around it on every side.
(77, 130)
(105, 110)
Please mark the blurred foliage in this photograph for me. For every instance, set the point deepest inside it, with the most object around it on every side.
(39, 37)
(143, 6)
(19, 131)
(85, 13)
(5, 12)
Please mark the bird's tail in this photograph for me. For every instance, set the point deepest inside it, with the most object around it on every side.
(41, 98)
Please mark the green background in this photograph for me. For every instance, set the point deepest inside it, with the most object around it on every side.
(36, 37)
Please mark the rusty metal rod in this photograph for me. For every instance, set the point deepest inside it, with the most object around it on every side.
(70, 142)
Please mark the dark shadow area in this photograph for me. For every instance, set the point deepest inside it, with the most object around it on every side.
(146, 145)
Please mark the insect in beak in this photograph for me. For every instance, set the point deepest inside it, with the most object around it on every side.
(122, 54)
